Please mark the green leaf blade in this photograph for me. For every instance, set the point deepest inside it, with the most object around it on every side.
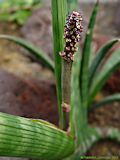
(59, 10)
(20, 137)
(100, 57)
(32, 49)
(106, 101)
(72, 5)
(111, 65)
(84, 73)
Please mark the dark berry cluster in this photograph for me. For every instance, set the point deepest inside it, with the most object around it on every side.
(72, 35)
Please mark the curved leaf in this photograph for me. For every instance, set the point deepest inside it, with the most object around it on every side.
(59, 8)
(32, 49)
(99, 58)
(84, 72)
(20, 137)
(111, 65)
(105, 101)
(109, 132)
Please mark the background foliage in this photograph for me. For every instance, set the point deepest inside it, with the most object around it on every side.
(18, 12)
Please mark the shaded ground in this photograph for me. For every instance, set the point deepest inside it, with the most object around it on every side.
(29, 98)
(32, 92)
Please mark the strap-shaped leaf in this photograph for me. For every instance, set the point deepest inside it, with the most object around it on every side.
(100, 55)
(109, 132)
(76, 113)
(110, 66)
(59, 8)
(106, 101)
(40, 55)
(84, 73)
(20, 137)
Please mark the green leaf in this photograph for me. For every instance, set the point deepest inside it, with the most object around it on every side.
(20, 137)
(109, 67)
(109, 132)
(77, 116)
(105, 101)
(59, 9)
(76, 110)
(72, 5)
(100, 55)
(40, 55)
(84, 73)
(20, 16)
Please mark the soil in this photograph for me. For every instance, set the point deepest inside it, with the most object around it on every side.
(29, 98)
(31, 88)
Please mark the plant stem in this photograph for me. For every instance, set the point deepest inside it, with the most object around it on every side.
(66, 90)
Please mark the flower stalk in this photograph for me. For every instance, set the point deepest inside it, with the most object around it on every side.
(72, 35)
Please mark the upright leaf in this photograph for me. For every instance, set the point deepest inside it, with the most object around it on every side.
(84, 73)
(59, 8)
(111, 65)
(76, 108)
(40, 55)
(77, 118)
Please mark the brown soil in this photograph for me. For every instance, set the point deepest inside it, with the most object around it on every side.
(107, 149)
(29, 98)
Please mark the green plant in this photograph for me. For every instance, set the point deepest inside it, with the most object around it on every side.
(83, 78)
(19, 12)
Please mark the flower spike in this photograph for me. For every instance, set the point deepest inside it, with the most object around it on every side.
(72, 35)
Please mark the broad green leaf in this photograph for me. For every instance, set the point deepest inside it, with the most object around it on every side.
(110, 66)
(59, 10)
(105, 101)
(40, 55)
(20, 137)
(84, 73)
(100, 55)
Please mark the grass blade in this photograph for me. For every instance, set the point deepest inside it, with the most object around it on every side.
(111, 65)
(105, 101)
(20, 137)
(100, 57)
(32, 49)
(84, 70)
(77, 118)
(75, 100)
(84, 73)
(59, 10)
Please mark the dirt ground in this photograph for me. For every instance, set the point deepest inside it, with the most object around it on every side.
(31, 88)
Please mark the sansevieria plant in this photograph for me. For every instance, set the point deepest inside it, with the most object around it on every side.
(78, 80)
